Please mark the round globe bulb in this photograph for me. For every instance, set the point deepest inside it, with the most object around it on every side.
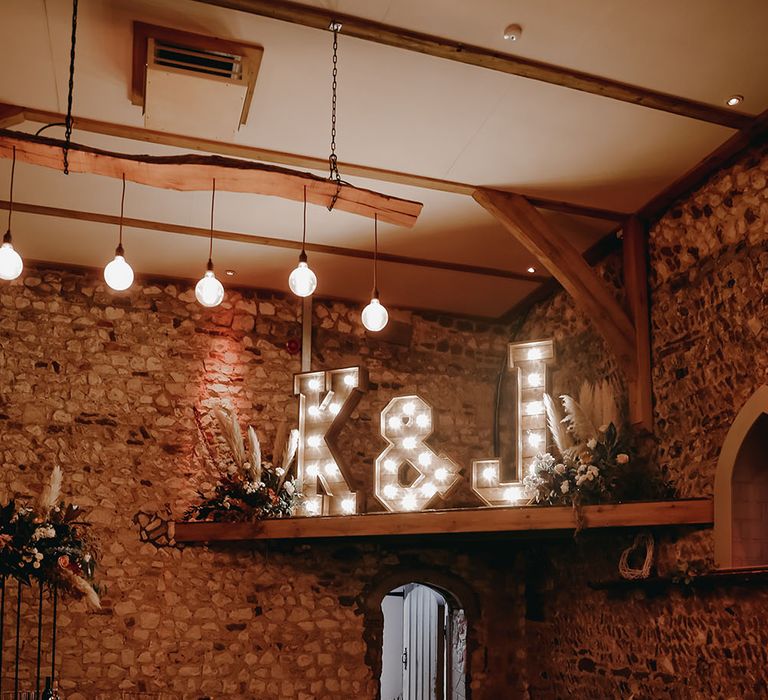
(118, 274)
(11, 263)
(302, 280)
(375, 316)
(209, 291)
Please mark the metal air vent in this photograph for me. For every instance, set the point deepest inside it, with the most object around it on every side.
(192, 84)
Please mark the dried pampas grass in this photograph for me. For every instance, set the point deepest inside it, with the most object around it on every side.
(580, 424)
(52, 490)
(563, 440)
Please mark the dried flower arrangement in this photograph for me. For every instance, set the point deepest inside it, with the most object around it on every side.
(249, 488)
(593, 460)
(49, 542)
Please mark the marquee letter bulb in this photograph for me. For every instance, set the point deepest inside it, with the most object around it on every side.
(209, 291)
(11, 263)
(118, 273)
(302, 280)
(375, 316)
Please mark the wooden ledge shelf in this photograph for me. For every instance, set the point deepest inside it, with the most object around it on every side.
(525, 519)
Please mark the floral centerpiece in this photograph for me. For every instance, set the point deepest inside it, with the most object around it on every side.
(49, 542)
(593, 460)
(249, 488)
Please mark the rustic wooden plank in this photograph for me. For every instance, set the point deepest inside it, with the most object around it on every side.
(398, 37)
(270, 241)
(569, 268)
(441, 522)
(237, 150)
(195, 172)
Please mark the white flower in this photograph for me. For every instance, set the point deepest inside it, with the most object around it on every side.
(250, 487)
(565, 486)
(289, 488)
(231, 469)
(43, 532)
(592, 471)
(581, 479)
(592, 444)
(560, 469)
(279, 471)
(36, 565)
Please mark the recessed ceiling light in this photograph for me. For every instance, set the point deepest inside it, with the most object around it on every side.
(733, 100)
(531, 270)
(229, 273)
(513, 32)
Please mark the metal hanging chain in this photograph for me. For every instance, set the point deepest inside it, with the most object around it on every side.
(122, 209)
(333, 161)
(7, 237)
(210, 247)
(68, 121)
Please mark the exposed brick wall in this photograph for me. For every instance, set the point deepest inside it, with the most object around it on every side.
(105, 385)
(709, 259)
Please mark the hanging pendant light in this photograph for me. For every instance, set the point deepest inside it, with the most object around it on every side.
(11, 263)
(209, 291)
(302, 280)
(375, 315)
(118, 273)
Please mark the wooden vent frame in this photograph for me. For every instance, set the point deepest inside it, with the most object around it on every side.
(147, 36)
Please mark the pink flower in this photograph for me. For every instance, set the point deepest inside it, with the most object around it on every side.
(63, 561)
(622, 458)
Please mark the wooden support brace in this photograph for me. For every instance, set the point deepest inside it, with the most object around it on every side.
(568, 266)
(636, 285)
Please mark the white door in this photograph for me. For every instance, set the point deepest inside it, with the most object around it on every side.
(423, 644)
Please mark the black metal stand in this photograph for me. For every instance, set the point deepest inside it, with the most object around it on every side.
(18, 644)
(2, 630)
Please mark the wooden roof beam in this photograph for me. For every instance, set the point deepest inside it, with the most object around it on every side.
(269, 241)
(236, 150)
(398, 37)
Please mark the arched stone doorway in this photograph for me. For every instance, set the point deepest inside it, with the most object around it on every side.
(450, 601)
(741, 489)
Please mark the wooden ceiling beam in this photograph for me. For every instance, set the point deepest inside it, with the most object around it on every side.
(236, 150)
(723, 155)
(380, 33)
(269, 241)
(569, 268)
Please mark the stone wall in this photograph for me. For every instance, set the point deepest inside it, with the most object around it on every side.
(105, 385)
(709, 258)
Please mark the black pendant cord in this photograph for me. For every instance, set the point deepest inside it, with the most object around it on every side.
(18, 644)
(375, 256)
(2, 629)
(70, 94)
(39, 639)
(210, 245)
(303, 254)
(7, 237)
(53, 633)
(120, 250)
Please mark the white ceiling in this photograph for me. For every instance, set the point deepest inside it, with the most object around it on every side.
(397, 110)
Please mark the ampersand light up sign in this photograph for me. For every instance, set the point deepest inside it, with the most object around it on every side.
(326, 399)
(406, 422)
(529, 362)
